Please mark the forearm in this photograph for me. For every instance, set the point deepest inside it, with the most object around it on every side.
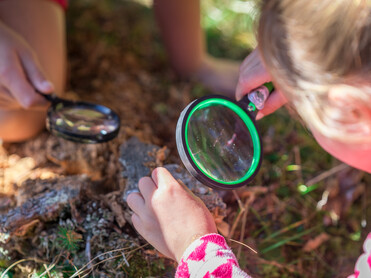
(180, 26)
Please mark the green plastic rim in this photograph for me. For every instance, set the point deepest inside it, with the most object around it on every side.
(246, 120)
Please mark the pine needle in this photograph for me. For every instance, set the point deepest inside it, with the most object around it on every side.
(239, 242)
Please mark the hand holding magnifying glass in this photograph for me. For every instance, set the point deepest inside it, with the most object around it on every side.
(218, 141)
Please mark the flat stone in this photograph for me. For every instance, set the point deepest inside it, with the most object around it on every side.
(138, 159)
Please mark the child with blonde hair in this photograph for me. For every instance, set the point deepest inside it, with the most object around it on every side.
(318, 54)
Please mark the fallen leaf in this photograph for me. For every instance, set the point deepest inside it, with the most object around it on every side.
(21, 231)
(313, 244)
(223, 227)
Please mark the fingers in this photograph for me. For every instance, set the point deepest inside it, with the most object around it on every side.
(146, 187)
(275, 101)
(136, 221)
(246, 84)
(7, 101)
(34, 72)
(135, 202)
(252, 75)
(14, 79)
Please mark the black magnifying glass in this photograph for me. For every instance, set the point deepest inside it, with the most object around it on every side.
(218, 140)
(80, 121)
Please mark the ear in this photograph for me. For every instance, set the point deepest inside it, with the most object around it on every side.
(341, 92)
(354, 102)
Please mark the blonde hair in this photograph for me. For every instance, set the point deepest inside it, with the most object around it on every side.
(311, 46)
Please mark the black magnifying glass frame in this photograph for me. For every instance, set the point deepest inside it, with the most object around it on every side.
(57, 103)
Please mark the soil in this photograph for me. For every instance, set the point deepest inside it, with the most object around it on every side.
(62, 204)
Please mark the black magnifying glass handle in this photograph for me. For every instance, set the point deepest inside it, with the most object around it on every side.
(50, 97)
(254, 101)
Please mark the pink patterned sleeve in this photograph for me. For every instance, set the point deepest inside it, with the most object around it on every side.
(363, 265)
(209, 257)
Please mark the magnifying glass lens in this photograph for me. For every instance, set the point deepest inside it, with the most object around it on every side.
(82, 121)
(220, 143)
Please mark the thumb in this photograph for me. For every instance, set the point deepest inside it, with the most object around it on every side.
(34, 72)
(163, 178)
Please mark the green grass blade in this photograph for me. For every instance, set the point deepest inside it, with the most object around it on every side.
(283, 242)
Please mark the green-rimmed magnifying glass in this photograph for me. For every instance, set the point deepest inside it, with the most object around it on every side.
(218, 141)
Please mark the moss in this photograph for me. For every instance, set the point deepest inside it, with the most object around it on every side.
(140, 265)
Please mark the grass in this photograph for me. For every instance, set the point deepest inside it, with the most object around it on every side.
(229, 27)
(282, 230)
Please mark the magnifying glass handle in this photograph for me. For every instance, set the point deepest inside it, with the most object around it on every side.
(49, 97)
(255, 100)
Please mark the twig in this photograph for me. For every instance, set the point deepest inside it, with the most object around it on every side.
(71, 262)
(235, 223)
(276, 264)
(237, 220)
(327, 174)
(51, 266)
(47, 270)
(238, 199)
(110, 258)
(88, 249)
(13, 265)
(252, 249)
(244, 219)
(88, 263)
(78, 272)
(91, 269)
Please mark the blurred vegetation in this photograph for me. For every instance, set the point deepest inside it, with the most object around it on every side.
(230, 27)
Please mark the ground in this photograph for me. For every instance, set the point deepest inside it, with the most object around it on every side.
(306, 213)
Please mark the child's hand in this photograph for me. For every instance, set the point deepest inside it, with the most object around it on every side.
(252, 75)
(20, 73)
(168, 215)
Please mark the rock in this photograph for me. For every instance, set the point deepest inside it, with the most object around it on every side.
(139, 159)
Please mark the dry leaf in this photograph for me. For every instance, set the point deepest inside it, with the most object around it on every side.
(223, 228)
(313, 244)
(21, 231)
